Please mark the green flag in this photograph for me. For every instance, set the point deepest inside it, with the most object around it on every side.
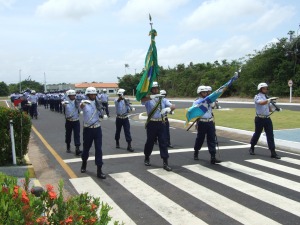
(151, 69)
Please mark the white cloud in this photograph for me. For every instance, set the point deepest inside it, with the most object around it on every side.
(72, 9)
(138, 9)
(6, 3)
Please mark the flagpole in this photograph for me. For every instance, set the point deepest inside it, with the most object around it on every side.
(150, 18)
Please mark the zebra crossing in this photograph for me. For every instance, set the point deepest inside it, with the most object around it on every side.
(235, 193)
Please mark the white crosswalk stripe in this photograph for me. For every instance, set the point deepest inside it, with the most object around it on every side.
(87, 184)
(169, 210)
(221, 203)
(275, 166)
(279, 201)
(290, 160)
(295, 186)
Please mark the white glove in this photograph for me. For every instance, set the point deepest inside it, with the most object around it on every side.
(132, 109)
(272, 99)
(86, 101)
(156, 96)
(165, 111)
(65, 102)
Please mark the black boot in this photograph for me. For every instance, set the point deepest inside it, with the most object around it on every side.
(274, 155)
(147, 161)
(166, 166)
(83, 166)
(170, 146)
(99, 173)
(213, 160)
(196, 153)
(129, 148)
(68, 148)
(251, 151)
(117, 144)
(78, 152)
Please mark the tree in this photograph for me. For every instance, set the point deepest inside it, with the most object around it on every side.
(4, 91)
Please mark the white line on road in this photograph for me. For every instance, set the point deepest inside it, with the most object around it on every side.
(275, 166)
(166, 208)
(87, 184)
(126, 155)
(290, 160)
(292, 185)
(219, 202)
(261, 194)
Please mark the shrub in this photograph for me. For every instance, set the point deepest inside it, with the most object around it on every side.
(19, 206)
(22, 128)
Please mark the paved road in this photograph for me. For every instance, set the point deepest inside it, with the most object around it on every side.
(241, 190)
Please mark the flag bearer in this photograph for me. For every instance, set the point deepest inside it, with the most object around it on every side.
(263, 120)
(205, 127)
(155, 125)
(122, 109)
(71, 107)
(92, 131)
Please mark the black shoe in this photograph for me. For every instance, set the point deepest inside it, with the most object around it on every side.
(117, 144)
(147, 162)
(166, 167)
(83, 166)
(196, 155)
(129, 148)
(213, 160)
(275, 156)
(170, 146)
(99, 173)
(78, 152)
(68, 148)
(251, 151)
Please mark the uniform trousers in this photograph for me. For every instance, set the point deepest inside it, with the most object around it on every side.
(33, 110)
(75, 127)
(267, 125)
(105, 104)
(156, 129)
(206, 129)
(91, 135)
(126, 126)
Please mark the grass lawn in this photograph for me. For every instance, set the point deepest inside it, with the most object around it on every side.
(244, 118)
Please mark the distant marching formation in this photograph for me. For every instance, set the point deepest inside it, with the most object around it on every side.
(94, 107)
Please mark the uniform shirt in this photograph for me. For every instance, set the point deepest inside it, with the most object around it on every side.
(152, 102)
(33, 99)
(208, 114)
(263, 110)
(90, 117)
(71, 110)
(121, 108)
(104, 97)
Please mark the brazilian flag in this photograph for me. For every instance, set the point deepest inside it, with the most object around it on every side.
(151, 69)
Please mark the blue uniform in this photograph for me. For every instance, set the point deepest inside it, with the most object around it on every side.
(205, 127)
(156, 128)
(92, 132)
(72, 121)
(122, 110)
(104, 100)
(263, 121)
(33, 108)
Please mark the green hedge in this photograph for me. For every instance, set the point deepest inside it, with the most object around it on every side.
(22, 128)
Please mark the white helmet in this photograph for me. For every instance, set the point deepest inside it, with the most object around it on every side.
(163, 92)
(154, 84)
(104, 90)
(209, 88)
(120, 91)
(91, 91)
(33, 92)
(201, 88)
(71, 92)
(261, 85)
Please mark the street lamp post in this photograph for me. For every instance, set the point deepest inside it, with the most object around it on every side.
(20, 80)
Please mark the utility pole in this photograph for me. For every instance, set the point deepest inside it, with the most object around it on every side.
(20, 80)
(45, 87)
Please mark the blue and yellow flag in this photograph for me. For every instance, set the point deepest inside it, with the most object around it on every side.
(197, 111)
(151, 69)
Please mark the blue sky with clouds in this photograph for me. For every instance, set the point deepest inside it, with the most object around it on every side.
(91, 40)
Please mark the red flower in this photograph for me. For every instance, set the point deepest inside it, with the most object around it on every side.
(93, 207)
(4, 189)
(52, 195)
(25, 198)
(42, 220)
(69, 220)
(49, 187)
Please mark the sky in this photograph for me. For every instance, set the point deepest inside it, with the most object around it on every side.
(74, 41)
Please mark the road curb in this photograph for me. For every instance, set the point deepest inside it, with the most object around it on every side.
(289, 146)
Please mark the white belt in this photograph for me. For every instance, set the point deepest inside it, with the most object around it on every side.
(94, 126)
(72, 120)
(122, 117)
(206, 120)
(152, 119)
(262, 116)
